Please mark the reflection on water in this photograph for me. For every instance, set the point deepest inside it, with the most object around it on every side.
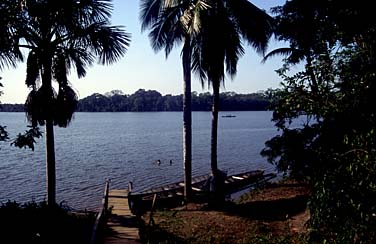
(124, 147)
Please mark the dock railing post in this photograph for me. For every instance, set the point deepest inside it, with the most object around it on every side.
(99, 222)
(151, 220)
(105, 195)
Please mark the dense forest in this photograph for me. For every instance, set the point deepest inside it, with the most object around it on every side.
(150, 100)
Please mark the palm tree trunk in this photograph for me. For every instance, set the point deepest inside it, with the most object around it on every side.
(214, 129)
(50, 163)
(50, 144)
(187, 120)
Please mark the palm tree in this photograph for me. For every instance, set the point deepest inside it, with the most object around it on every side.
(61, 35)
(174, 22)
(219, 46)
(292, 20)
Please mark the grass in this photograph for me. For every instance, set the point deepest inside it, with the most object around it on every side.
(271, 215)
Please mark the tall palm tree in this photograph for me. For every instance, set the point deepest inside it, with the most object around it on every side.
(219, 46)
(174, 22)
(61, 35)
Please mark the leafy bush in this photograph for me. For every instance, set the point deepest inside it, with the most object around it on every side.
(335, 147)
(38, 223)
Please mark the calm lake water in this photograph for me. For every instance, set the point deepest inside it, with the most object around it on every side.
(124, 147)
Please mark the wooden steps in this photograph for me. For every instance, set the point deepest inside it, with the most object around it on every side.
(122, 226)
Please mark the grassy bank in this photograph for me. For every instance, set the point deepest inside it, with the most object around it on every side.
(274, 214)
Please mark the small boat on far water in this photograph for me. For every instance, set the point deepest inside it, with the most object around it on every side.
(228, 116)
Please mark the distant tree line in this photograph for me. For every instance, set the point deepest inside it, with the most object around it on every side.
(12, 108)
(151, 100)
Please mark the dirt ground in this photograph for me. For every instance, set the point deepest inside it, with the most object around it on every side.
(275, 214)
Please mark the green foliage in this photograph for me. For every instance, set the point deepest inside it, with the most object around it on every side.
(22, 140)
(327, 118)
(27, 140)
(344, 199)
(38, 223)
(3, 133)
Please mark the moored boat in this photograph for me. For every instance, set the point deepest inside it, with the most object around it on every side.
(172, 195)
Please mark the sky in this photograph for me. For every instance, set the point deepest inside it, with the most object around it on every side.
(142, 68)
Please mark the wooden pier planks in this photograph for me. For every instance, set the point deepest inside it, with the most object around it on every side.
(122, 224)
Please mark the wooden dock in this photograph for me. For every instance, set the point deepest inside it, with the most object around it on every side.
(122, 225)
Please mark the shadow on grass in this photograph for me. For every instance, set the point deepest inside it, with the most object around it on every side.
(154, 234)
(280, 209)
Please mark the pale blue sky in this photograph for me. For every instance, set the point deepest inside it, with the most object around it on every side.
(142, 68)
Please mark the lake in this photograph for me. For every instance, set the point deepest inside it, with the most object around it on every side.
(123, 147)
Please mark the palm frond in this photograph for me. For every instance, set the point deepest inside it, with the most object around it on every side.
(149, 12)
(168, 20)
(66, 105)
(30, 34)
(30, 108)
(32, 69)
(203, 4)
(197, 62)
(232, 46)
(174, 38)
(190, 17)
(167, 30)
(40, 105)
(293, 55)
(60, 69)
(284, 51)
(7, 59)
(80, 58)
(68, 14)
(196, 10)
(114, 45)
(173, 3)
(297, 56)
(108, 42)
(214, 52)
(9, 23)
(96, 10)
(255, 24)
(186, 20)
(9, 51)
